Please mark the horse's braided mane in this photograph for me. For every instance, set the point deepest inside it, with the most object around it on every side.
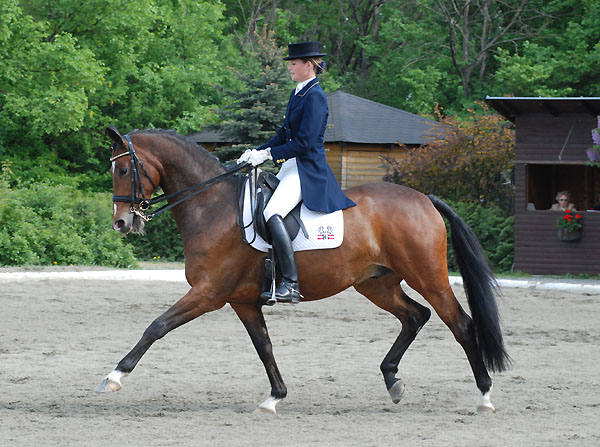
(189, 145)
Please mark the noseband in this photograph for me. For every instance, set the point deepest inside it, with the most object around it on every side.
(143, 203)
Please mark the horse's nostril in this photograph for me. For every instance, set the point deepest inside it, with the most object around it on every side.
(118, 224)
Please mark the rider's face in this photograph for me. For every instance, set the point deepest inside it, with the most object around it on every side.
(300, 71)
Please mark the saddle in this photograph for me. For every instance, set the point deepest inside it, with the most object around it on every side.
(264, 187)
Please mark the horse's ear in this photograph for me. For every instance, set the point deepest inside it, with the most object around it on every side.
(115, 136)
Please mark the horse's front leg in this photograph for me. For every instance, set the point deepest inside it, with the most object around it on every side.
(195, 303)
(252, 318)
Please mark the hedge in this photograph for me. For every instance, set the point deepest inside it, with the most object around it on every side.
(495, 230)
(161, 241)
(45, 224)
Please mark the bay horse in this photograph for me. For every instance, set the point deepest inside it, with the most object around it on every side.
(394, 233)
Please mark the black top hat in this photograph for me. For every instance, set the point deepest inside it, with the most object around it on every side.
(303, 50)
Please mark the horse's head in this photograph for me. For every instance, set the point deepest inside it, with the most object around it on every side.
(134, 180)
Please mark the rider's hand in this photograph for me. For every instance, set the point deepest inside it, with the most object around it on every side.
(245, 156)
(255, 157)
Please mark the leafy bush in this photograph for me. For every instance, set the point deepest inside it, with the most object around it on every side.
(493, 227)
(467, 159)
(43, 224)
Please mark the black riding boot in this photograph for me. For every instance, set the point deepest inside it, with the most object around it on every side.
(287, 291)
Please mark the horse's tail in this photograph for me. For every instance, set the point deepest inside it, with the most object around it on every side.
(480, 287)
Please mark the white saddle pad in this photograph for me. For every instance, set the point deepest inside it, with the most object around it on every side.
(325, 230)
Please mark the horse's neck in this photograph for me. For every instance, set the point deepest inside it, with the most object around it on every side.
(186, 171)
(182, 170)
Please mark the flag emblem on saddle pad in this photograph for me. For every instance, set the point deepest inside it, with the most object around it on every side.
(325, 233)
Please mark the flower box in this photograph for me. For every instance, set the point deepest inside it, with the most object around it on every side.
(569, 236)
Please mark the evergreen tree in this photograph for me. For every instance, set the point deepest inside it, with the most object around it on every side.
(258, 111)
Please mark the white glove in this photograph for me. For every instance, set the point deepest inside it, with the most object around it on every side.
(256, 157)
(245, 157)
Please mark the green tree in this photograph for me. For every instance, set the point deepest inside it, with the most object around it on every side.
(407, 70)
(71, 71)
(258, 109)
(475, 30)
(46, 80)
(563, 61)
(345, 28)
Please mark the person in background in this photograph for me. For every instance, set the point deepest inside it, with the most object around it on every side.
(597, 207)
(564, 202)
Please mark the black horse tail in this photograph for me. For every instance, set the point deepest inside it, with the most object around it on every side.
(480, 287)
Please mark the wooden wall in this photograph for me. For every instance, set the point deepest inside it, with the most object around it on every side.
(333, 153)
(539, 251)
(539, 175)
(355, 164)
(541, 137)
(208, 146)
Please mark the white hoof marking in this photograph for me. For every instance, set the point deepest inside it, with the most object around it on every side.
(483, 403)
(268, 406)
(397, 391)
(112, 382)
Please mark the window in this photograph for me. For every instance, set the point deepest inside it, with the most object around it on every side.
(544, 181)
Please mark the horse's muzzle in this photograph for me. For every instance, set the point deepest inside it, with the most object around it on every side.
(128, 223)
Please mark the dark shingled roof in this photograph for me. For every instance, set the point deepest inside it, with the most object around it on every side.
(511, 107)
(357, 120)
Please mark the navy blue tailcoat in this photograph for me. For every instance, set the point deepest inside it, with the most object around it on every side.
(301, 136)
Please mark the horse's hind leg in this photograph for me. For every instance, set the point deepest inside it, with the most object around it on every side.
(387, 294)
(191, 306)
(460, 323)
(254, 322)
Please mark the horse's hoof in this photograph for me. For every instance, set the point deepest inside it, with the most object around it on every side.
(260, 410)
(107, 386)
(268, 406)
(487, 408)
(483, 403)
(397, 391)
(112, 382)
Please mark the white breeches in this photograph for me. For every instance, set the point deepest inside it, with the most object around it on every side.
(287, 194)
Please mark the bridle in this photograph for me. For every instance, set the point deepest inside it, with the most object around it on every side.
(138, 197)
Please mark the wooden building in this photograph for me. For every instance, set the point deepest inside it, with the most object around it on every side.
(210, 139)
(552, 136)
(359, 132)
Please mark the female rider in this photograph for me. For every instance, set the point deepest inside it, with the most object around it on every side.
(304, 174)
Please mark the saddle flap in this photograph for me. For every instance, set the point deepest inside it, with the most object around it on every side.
(265, 187)
(326, 230)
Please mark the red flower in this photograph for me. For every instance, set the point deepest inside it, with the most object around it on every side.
(569, 222)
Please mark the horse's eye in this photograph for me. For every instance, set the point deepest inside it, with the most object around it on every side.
(123, 171)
